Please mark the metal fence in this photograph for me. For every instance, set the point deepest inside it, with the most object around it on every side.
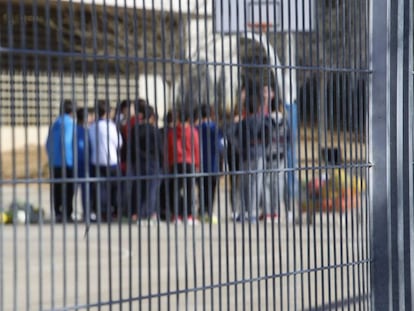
(213, 155)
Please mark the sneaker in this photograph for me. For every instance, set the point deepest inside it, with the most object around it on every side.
(214, 220)
(251, 220)
(106, 218)
(239, 218)
(59, 218)
(154, 219)
(177, 219)
(210, 219)
(246, 219)
(145, 222)
(290, 217)
(269, 218)
(192, 221)
(92, 218)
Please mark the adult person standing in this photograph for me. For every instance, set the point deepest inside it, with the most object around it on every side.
(105, 143)
(59, 147)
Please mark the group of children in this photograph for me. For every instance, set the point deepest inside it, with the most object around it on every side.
(127, 166)
(170, 163)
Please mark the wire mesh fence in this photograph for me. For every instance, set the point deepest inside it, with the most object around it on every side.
(209, 155)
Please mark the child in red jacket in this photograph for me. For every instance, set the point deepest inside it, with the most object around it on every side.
(183, 158)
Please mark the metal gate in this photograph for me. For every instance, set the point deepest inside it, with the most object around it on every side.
(213, 155)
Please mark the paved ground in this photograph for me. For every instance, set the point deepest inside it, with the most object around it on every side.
(229, 266)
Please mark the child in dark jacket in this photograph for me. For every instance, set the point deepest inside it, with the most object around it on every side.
(146, 153)
(249, 138)
(165, 212)
(82, 154)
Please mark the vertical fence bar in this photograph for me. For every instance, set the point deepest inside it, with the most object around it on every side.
(404, 155)
(410, 140)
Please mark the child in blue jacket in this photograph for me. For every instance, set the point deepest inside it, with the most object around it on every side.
(211, 147)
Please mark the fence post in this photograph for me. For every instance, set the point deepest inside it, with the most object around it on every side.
(380, 272)
(392, 171)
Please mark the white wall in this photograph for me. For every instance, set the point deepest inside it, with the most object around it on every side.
(19, 136)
